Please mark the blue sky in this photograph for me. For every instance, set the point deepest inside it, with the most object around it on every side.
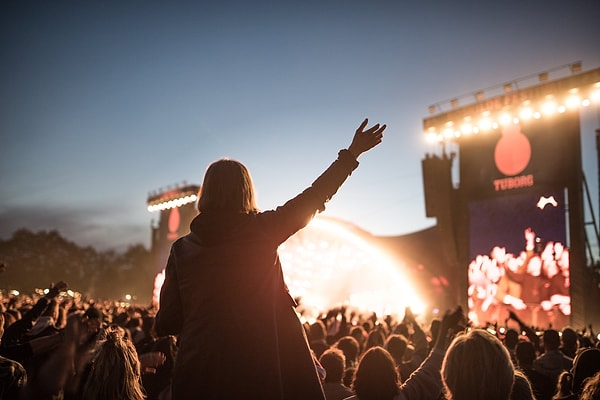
(104, 101)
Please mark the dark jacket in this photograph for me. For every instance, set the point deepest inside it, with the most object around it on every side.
(224, 295)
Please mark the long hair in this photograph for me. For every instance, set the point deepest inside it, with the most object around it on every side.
(522, 389)
(376, 377)
(115, 372)
(477, 366)
(227, 187)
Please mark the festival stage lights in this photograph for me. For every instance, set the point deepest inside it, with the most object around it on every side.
(504, 119)
(172, 198)
(573, 101)
(549, 107)
(486, 123)
(595, 94)
(526, 113)
(173, 203)
(543, 100)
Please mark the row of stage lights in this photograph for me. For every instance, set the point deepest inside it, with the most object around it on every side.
(490, 121)
(173, 203)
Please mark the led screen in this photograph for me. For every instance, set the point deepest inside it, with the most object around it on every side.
(519, 259)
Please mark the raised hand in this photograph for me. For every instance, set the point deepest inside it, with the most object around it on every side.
(365, 140)
(55, 289)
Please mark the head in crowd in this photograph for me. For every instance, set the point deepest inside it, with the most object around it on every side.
(93, 318)
(376, 377)
(115, 371)
(591, 388)
(551, 339)
(350, 346)
(477, 366)
(317, 331)
(396, 345)
(334, 362)
(570, 341)
(525, 354)
(227, 187)
(585, 365)
(359, 333)
(375, 338)
(521, 388)
(564, 386)
(511, 338)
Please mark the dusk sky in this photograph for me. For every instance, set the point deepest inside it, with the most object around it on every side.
(102, 102)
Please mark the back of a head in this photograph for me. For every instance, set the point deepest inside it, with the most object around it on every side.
(551, 339)
(569, 336)
(591, 388)
(227, 187)
(564, 386)
(359, 333)
(525, 353)
(396, 345)
(477, 366)
(350, 347)
(522, 389)
(375, 338)
(334, 362)
(511, 338)
(585, 365)
(116, 370)
(317, 330)
(376, 377)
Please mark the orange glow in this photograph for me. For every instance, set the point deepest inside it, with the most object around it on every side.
(327, 264)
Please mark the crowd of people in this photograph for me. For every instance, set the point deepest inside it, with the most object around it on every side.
(533, 283)
(227, 326)
(59, 347)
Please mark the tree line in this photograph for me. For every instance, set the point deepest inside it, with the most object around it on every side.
(36, 259)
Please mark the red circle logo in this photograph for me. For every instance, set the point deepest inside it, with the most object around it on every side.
(513, 151)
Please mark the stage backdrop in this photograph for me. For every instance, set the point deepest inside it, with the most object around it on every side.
(515, 183)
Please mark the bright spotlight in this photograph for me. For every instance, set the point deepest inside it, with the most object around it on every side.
(431, 137)
(526, 113)
(504, 119)
(573, 101)
(466, 128)
(485, 124)
(549, 107)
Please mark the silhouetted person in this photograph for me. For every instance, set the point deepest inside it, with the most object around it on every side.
(552, 362)
(116, 370)
(522, 388)
(13, 376)
(317, 338)
(224, 293)
(477, 366)
(334, 362)
(543, 385)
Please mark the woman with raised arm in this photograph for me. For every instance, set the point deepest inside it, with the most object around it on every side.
(224, 294)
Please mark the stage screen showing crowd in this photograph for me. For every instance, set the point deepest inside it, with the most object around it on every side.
(519, 259)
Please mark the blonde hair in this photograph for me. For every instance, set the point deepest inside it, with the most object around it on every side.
(477, 366)
(227, 187)
(115, 372)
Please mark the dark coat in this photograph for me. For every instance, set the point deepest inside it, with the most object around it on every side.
(224, 295)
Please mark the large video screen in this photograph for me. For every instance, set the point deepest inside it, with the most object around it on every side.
(519, 259)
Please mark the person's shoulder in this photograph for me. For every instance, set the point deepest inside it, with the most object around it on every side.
(11, 368)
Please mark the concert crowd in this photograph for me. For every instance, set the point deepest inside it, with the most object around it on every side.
(55, 346)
